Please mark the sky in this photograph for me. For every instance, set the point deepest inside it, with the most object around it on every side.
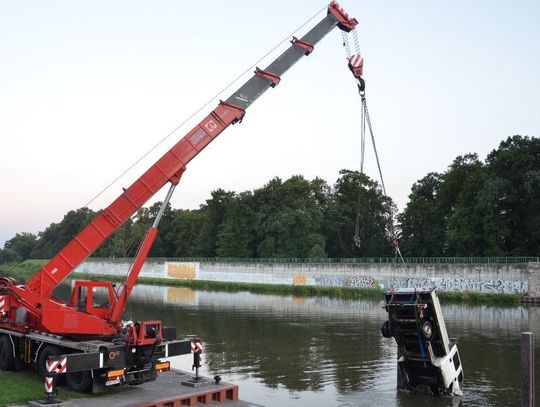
(86, 88)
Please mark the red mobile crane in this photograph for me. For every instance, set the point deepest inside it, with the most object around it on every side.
(88, 330)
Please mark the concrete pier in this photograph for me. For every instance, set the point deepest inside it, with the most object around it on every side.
(167, 390)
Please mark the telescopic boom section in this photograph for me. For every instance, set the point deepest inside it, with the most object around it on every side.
(171, 165)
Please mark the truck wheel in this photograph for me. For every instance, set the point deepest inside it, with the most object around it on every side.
(47, 351)
(80, 381)
(386, 331)
(7, 360)
(427, 331)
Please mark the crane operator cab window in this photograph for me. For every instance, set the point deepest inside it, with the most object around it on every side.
(82, 298)
(100, 297)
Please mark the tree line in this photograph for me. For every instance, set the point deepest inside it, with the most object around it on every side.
(474, 208)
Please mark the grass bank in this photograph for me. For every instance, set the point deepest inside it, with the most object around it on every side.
(22, 271)
(20, 387)
(26, 269)
(276, 289)
(476, 298)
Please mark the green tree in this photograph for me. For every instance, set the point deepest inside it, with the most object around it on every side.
(477, 209)
(57, 235)
(188, 233)
(289, 217)
(9, 256)
(422, 223)
(358, 205)
(236, 233)
(465, 235)
(164, 244)
(22, 244)
(123, 243)
(513, 174)
(214, 210)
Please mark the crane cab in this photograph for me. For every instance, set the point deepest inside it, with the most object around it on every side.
(93, 297)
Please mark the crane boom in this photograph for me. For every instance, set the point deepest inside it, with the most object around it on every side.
(168, 168)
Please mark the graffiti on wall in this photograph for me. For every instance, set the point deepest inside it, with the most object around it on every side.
(299, 279)
(181, 271)
(461, 284)
(354, 281)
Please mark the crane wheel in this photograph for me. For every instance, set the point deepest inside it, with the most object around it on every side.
(80, 381)
(7, 360)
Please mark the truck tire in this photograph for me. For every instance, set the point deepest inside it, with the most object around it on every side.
(386, 330)
(427, 330)
(49, 350)
(80, 381)
(7, 360)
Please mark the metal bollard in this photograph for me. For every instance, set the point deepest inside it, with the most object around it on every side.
(50, 379)
(196, 348)
(527, 369)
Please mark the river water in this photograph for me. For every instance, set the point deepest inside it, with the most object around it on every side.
(286, 350)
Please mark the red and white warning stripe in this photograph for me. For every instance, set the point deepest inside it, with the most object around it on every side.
(49, 385)
(196, 347)
(54, 367)
(3, 303)
(57, 366)
(356, 60)
(340, 9)
(356, 65)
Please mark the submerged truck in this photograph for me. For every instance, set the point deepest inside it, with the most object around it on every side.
(427, 358)
(84, 338)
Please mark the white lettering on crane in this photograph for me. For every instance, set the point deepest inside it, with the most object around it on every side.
(242, 97)
(53, 271)
(197, 136)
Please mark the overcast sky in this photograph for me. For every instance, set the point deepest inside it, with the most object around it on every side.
(88, 87)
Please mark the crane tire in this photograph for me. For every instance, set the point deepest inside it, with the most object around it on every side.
(80, 381)
(7, 360)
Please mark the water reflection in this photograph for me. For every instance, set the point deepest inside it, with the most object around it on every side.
(319, 351)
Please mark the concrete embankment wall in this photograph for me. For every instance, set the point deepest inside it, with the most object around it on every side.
(486, 278)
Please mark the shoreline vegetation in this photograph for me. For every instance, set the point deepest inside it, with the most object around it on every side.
(26, 269)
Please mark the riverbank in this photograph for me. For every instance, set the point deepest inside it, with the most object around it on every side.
(26, 269)
(23, 270)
